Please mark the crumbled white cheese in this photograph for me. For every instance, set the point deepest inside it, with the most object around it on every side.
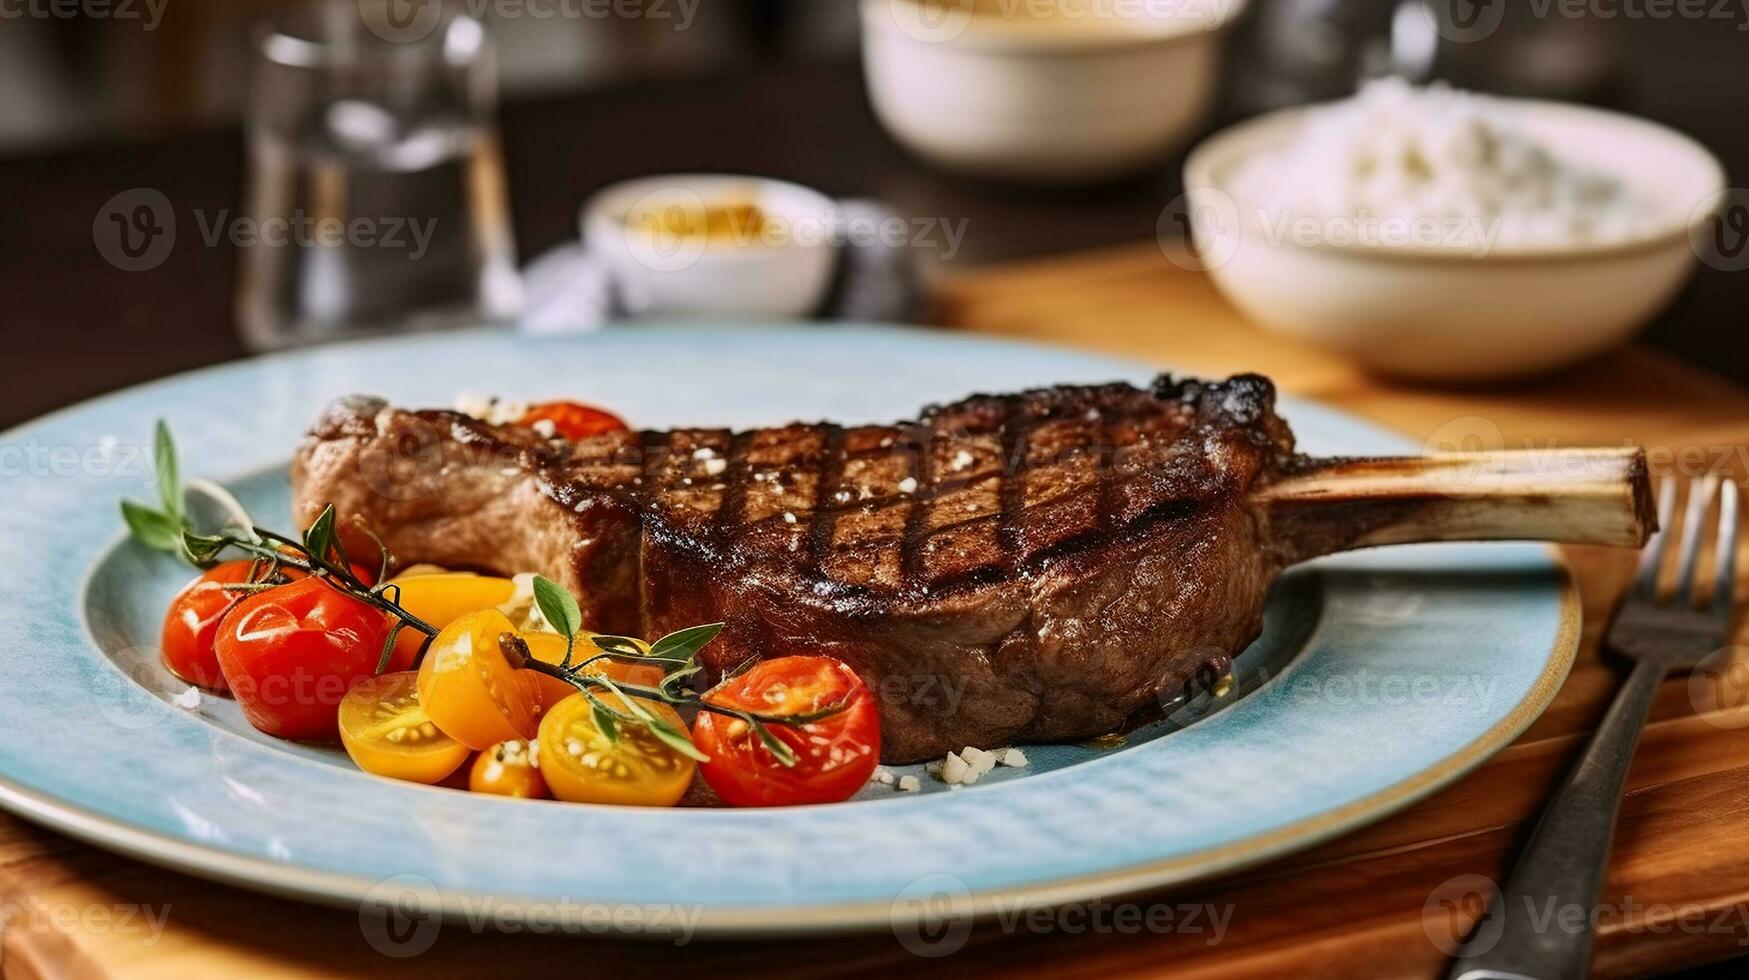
(968, 765)
(188, 700)
(704, 453)
(909, 784)
(980, 761)
(545, 428)
(490, 408)
(715, 467)
(521, 609)
(789, 517)
(961, 460)
(883, 776)
(908, 485)
(955, 770)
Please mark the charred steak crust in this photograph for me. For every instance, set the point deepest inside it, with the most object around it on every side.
(1024, 567)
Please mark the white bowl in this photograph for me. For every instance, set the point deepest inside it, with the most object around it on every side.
(987, 95)
(784, 275)
(1443, 314)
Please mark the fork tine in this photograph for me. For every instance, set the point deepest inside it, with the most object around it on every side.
(1652, 558)
(1725, 582)
(1700, 501)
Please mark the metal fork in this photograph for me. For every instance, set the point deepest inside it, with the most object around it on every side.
(1562, 865)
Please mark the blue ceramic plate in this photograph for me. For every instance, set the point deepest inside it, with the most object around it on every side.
(1381, 676)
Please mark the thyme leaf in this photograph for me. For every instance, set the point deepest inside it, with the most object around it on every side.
(685, 644)
(559, 607)
(167, 471)
(154, 528)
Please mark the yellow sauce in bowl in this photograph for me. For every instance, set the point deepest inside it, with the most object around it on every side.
(738, 223)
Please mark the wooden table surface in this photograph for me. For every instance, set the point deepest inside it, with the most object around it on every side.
(1678, 889)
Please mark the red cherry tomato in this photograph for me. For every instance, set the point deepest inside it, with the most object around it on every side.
(192, 623)
(834, 755)
(574, 420)
(291, 654)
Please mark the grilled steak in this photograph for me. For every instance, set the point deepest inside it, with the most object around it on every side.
(1007, 568)
(1013, 568)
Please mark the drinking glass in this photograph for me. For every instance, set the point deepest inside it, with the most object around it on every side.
(375, 200)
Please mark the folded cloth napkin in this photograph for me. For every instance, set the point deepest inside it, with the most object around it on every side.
(568, 290)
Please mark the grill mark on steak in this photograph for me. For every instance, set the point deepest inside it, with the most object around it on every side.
(916, 517)
(1013, 434)
(825, 516)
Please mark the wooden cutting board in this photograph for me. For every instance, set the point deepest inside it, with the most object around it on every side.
(1678, 889)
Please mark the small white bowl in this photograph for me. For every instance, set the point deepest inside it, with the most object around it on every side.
(1441, 314)
(783, 272)
(987, 95)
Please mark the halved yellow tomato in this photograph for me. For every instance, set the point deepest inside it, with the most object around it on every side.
(581, 765)
(470, 689)
(442, 598)
(388, 733)
(510, 769)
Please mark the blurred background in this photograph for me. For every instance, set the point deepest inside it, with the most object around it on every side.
(99, 98)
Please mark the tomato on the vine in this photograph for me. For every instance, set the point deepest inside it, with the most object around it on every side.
(290, 654)
(472, 690)
(574, 420)
(835, 755)
(191, 625)
(441, 599)
(550, 648)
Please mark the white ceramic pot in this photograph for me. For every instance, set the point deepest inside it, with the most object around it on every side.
(1428, 312)
(987, 95)
(783, 272)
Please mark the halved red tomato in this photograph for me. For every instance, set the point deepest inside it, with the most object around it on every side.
(835, 755)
